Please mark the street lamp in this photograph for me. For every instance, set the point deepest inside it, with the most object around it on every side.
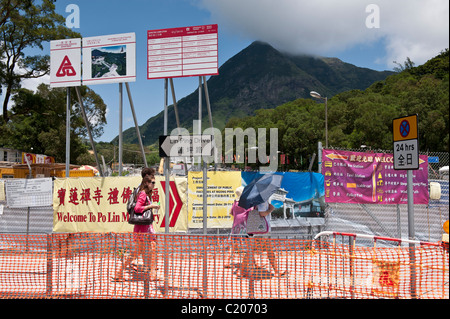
(318, 96)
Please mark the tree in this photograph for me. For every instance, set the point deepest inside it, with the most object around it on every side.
(38, 122)
(408, 65)
(25, 25)
(365, 117)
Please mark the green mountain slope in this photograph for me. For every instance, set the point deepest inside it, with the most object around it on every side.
(364, 117)
(260, 77)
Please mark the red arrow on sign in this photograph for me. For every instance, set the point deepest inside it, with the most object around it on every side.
(175, 209)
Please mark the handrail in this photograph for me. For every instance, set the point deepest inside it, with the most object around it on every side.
(374, 238)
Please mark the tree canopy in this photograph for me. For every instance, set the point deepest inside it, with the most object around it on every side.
(24, 25)
(38, 122)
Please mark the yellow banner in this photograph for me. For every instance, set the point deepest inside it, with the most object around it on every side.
(98, 204)
(220, 194)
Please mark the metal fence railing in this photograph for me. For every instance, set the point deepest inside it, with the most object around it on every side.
(111, 265)
(392, 220)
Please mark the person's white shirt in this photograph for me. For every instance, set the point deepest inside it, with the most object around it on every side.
(263, 207)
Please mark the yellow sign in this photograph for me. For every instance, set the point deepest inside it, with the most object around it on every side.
(220, 193)
(405, 128)
(445, 226)
(97, 204)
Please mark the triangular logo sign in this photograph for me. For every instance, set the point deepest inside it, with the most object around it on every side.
(66, 68)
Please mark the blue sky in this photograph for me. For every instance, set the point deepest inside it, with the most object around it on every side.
(368, 34)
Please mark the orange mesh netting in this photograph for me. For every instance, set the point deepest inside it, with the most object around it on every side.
(122, 265)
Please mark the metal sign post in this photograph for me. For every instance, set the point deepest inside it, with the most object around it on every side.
(68, 134)
(65, 71)
(120, 128)
(98, 53)
(138, 133)
(406, 157)
(83, 112)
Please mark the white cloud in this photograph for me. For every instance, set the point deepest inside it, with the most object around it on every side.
(32, 84)
(408, 28)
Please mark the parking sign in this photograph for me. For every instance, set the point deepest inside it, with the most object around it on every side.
(406, 143)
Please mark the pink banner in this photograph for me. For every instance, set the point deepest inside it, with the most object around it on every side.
(370, 178)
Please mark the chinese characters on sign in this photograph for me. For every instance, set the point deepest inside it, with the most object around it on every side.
(179, 52)
(65, 63)
(100, 204)
(92, 203)
(370, 178)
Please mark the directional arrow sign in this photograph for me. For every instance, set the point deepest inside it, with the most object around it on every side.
(186, 145)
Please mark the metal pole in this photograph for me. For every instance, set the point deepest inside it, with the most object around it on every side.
(68, 134)
(120, 128)
(205, 199)
(136, 123)
(77, 89)
(175, 104)
(49, 274)
(208, 105)
(352, 240)
(319, 151)
(411, 233)
(167, 165)
(326, 122)
(177, 118)
(167, 204)
(199, 116)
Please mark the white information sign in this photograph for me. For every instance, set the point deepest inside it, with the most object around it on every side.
(186, 146)
(29, 192)
(181, 52)
(406, 155)
(109, 59)
(65, 63)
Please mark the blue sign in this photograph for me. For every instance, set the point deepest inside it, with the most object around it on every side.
(433, 159)
(299, 186)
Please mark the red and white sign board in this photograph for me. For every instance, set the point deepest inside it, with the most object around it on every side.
(109, 59)
(65, 63)
(182, 52)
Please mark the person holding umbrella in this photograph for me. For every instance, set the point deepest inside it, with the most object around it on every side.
(256, 194)
(239, 227)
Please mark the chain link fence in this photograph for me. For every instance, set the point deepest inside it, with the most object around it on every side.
(392, 220)
(372, 219)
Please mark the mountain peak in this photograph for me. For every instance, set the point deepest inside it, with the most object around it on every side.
(261, 77)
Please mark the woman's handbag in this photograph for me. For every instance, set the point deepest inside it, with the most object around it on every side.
(256, 224)
(146, 218)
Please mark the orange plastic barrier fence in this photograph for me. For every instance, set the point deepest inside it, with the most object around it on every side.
(124, 265)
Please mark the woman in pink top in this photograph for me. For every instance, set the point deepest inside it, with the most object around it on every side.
(143, 234)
